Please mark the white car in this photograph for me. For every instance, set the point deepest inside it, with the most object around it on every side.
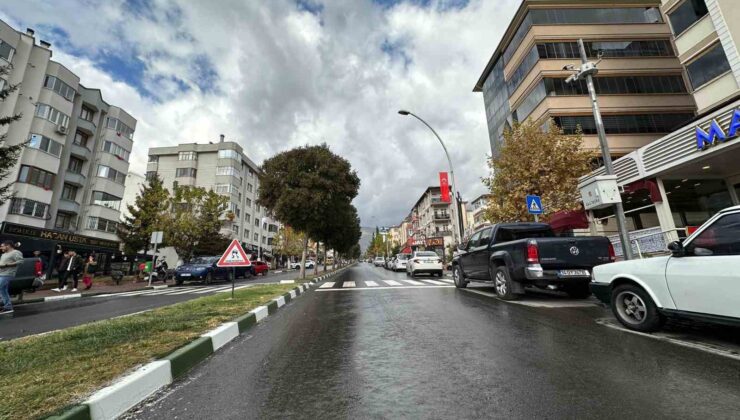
(379, 261)
(297, 265)
(424, 262)
(399, 263)
(700, 280)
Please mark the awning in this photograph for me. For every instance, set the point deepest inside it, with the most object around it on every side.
(568, 220)
(406, 250)
(646, 184)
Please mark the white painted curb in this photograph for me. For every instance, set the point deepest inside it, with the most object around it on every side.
(280, 301)
(223, 334)
(287, 281)
(160, 286)
(112, 401)
(62, 297)
(293, 294)
(260, 313)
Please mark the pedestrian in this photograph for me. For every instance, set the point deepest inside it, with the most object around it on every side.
(39, 270)
(140, 274)
(88, 272)
(9, 261)
(71, 266)
(62, 271)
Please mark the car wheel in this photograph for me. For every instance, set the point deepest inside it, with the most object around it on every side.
(209, 278)
(503, 284)
(179, 282)
(634, 309)
(580, 291)
(458, 277)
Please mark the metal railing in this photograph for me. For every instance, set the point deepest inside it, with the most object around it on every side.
(649, 242)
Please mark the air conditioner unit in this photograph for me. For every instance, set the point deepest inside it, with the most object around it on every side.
(62, 129)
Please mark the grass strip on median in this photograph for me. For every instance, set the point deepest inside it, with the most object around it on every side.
(44, 374)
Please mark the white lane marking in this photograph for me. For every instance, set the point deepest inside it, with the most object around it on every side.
(540, 303)
(183, 292)
(388, 288)
(212, 289)
(448, 281)
(434, 282)
(370, 283)
(392, 282)
(349, 284)
(413, 282)
(327, 285)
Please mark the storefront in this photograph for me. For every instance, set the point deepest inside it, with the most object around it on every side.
(677, 182)
(52, 244)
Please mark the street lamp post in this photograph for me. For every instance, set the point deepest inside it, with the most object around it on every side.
(457, 227)
(587, 71)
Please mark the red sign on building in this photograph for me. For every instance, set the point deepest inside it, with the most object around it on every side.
(444, 185)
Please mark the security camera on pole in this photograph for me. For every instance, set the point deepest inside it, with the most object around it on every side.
(587, 71)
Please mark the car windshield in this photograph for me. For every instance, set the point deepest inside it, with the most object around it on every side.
(426, 254)
(403, 257)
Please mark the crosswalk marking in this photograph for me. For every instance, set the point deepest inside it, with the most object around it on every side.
(392, 282)
(414, 282)
(434, 282)
(174, 291)
(448, 281)
(327, 285)
(370, 283)
(349, 284)
(214, 290)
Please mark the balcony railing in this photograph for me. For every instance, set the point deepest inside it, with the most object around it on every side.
(441, 216)
(444, 233)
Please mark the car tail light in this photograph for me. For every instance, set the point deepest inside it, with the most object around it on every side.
(533, 253)
(612, 254)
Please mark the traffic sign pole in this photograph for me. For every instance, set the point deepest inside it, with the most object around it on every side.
(234, 257)
(233, 281)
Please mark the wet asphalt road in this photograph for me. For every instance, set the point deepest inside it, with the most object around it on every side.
(36, 318)
(445, 353)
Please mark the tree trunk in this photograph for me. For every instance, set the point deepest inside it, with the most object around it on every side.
(316, 266)
(336, 256)
(303, 258)
(326, 255)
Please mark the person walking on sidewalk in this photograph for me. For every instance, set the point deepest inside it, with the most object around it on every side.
(71, 266)
(9, 262)
(88, 272)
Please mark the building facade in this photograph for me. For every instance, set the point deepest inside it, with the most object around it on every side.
(224, 168)
(642, 91)
(133, 186)
(69, 179)
(432, 223)
(680, 180)
(476, 212)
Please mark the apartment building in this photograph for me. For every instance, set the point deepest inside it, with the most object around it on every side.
(680, 180)
(476, 213)
(69, 179)
(641, 86)
(133, 186)
(432, 222)
(225, 168)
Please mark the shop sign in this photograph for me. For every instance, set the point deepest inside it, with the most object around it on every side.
(431, 242)
(716, 134)
(54, 235)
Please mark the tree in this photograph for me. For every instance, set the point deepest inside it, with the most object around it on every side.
(8, 152)
(300, 186)
(536, 161)
(287, 242)
(148, 214)
(194, 222)
(211, 241)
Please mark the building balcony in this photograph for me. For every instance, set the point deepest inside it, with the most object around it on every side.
(441, 216)
(443, 233)
(81, 152)
(75, 178)
(69, 206)
(437, 201)
(86, 126)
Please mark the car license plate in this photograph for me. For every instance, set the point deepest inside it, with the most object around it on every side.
(185, 275)
(573, 273)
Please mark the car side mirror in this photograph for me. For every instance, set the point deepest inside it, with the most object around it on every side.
(677, 249)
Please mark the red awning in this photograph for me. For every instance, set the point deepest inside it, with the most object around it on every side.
(647, 184)
(406, 250)
(568, 220)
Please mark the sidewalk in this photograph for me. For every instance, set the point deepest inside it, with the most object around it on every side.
(96, 289)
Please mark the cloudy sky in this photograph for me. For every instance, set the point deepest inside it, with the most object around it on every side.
(275, 74)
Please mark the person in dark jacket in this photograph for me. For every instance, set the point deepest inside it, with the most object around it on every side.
(71, 266)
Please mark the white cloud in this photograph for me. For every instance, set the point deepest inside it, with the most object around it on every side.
(286, 77)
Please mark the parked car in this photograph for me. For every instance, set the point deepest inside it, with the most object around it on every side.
(399, 263)
(389, 263)
(260, 267)
(205, 269)
(24, 276)
(297, 265)
(515, 255)
(424, 262)
(700, 280)
(379, 261)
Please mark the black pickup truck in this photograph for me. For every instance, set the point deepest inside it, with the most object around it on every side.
(515, 255)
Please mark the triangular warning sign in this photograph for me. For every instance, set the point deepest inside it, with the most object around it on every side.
(533, 206)
(234, 256)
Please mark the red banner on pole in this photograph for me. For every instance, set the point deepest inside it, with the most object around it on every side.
(444, 185)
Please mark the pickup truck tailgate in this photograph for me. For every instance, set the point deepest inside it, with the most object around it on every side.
(564, 253)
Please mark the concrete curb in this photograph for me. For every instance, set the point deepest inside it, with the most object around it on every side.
(128, 391)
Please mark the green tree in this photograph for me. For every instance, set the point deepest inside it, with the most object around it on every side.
(148, 214)
(8, 152)
(194, 222)
(210, 240)
(300, 186)
(536, 161)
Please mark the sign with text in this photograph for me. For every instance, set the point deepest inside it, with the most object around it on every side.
(444, 186)
(234, 256)
(716, 134)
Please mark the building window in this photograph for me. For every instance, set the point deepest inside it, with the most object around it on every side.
(103, 225)
(227, 170)
(150, 175)
(64, 90)
(624, 124)
(112, 174)
(246, 233)
(75, 165)
(45, 144)
(28, 208)
(63, 221)
(100, 198)
(6, 51)
(86, 113)
(81, 139)
(52, 114)
(35, 176)
(249, 187)
(229, 154)
(235, 229)
(223, 188)
(264, 226)
(185, 173)
(116, 150)
(264, 239)
(153, 158)
(269, 241)
(69, 192)
(120, 128)
(249, 202)
(256, 237)
(619, 85)
(683, 16)
(256, 222)
(247, 218)
(187, 156)
(530, 102)
(707, 67)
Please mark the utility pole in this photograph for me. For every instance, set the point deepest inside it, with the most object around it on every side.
(587, 71)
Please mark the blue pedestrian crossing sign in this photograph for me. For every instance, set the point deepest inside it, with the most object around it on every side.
(534, 204)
